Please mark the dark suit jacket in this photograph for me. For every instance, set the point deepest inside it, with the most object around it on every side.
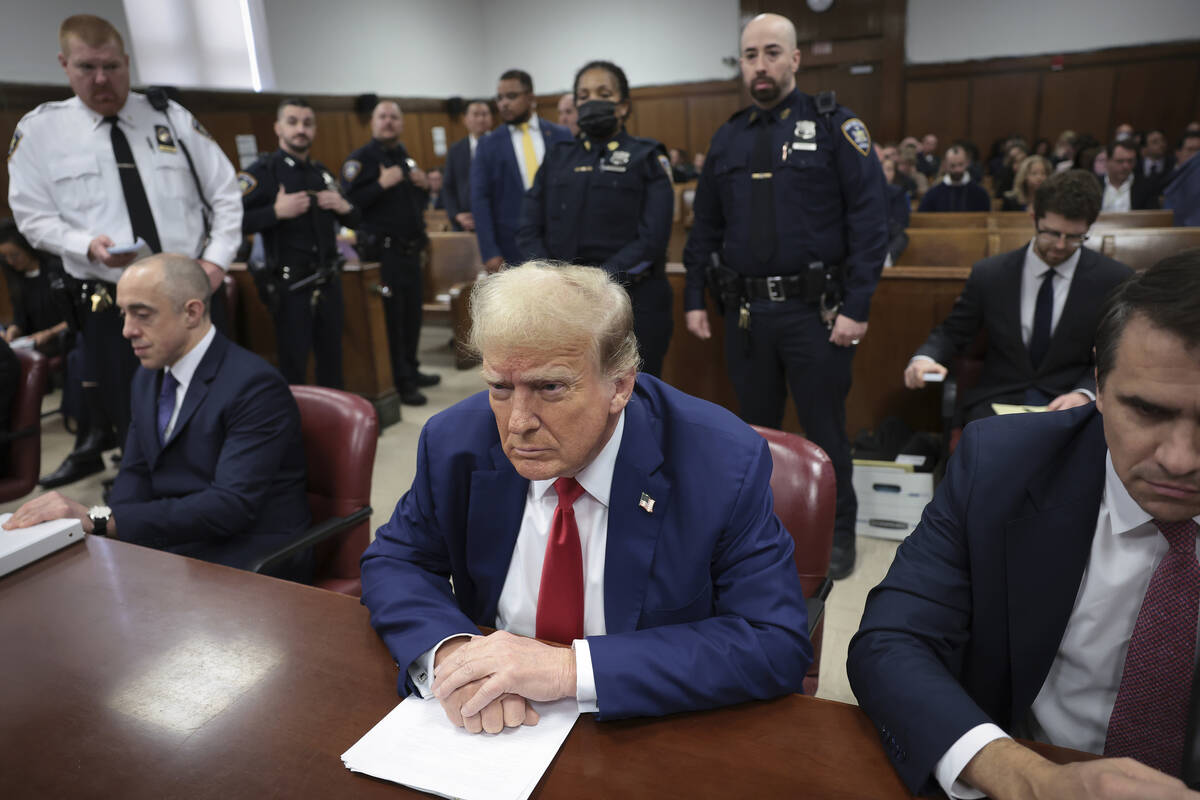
(1143, 195)
(497, 190)
(965, 626)
(991, 302)
(968, 197)
(456, 183)
(229, 485)
(702, 602)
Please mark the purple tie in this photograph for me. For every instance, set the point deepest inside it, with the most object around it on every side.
(166, 404)
(1149, 717)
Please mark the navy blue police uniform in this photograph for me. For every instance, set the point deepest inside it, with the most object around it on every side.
(392, 232)
(791, 199)
(301, 284)
(608, 204)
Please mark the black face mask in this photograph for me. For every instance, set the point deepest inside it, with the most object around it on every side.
(598, 118)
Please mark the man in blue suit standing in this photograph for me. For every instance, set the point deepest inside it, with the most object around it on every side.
(505, 163)
(584, 504)
(213, 466)
(1051, 588)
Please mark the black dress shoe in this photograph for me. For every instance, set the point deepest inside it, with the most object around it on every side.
(413, 397)
(425, 379)
(73, 468)
(841, 561)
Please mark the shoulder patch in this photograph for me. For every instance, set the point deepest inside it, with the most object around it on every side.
(200, 129)
(856, 133)
(351, 169)
(666, 164)
(16, 140)
(246, 182)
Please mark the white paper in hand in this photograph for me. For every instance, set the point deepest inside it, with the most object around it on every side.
(415, 745)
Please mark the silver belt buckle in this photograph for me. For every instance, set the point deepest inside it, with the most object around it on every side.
(775, 289)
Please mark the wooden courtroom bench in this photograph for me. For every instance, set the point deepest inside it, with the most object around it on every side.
(949, 219)
(453, 258)
(1006, 220)
(944, 247)
(1141, 248)
(436, 220)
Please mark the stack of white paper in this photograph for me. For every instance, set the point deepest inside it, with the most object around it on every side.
(26, 545)
(415, 745)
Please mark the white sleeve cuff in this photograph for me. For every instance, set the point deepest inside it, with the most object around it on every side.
(951, 765)
(421, 669)
(1086, 393)
(585, 679)
(921, 358)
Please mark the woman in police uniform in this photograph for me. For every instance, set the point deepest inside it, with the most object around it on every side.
(605, 199)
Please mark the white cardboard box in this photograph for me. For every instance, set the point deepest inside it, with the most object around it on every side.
(890, 499)
(26, 545)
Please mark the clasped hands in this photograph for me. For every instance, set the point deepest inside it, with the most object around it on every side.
(485, 683)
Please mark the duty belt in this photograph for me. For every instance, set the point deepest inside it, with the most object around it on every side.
(776, 288)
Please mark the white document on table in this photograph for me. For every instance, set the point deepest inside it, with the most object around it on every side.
(26, 545)
(415, 745)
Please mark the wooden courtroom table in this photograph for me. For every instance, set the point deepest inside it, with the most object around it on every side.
(132, 673)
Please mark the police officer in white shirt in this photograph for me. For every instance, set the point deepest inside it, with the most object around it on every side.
(102, 179)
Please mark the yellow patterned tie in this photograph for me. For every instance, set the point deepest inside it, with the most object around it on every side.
(531, 162)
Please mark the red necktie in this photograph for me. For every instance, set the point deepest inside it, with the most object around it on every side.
(1150, 714)
(560, 597)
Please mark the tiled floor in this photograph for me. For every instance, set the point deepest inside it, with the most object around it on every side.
(395, 465)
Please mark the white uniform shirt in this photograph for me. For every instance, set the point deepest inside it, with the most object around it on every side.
(65, 190)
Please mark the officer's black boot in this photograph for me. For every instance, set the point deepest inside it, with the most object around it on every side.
(94, 437)
(841, 562)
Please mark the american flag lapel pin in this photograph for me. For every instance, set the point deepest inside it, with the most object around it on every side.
(646, 503)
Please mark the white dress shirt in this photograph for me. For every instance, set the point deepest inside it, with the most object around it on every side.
(518, 143)
(472, 143)
(1118, 198)
(1076, 700)
(183, 370)
(65, 189)
(517, 608)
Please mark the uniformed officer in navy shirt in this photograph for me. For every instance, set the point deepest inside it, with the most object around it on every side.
(605, 200)
(389, 188)
(791, 202)
(296, 204)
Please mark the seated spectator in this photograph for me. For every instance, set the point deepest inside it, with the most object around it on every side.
(899, 209)
(1093, 160)
(681, 170)
(29, 274)
(213, 466)
(1156, 158)
(1050, 589)
(1038, 305)
(669, 493)
(1032, 173)
(1122, 132)
(1064, 151)
(1041, 147)
(1124, 188)
(927, 160)
(434, 192)
(10, 382)
(698, 163)
(1006, 175)
(907, 174)
(956, 191)
(1182, 191)
(568, 115)
(974, 167)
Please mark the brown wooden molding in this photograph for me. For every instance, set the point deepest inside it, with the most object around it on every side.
(1042, 63)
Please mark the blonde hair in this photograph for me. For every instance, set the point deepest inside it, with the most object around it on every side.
(540, 305)
(93, 31)
(1018, 191)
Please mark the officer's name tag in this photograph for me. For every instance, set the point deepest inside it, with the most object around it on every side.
(804, 145)
(583, 169)
(612, 168)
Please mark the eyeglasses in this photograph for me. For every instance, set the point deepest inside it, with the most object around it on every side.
(1071, 240)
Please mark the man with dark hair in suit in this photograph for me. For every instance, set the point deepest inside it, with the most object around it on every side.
(1038, 306)
(456, 192)
(504, 166)
(1051, 588)
(1126, 189)
(580, 502)
(213, 466)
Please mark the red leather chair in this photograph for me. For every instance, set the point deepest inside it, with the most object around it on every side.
(805, 491)
(24, 437)
(340, 431)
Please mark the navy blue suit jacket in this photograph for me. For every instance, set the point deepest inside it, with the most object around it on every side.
(229, 485)
(497, 190)
(702, 603)
(965, 626)
(456, 184)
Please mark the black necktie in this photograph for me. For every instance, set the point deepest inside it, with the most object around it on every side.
(1043, 310)
(762, 194)
(135, 193)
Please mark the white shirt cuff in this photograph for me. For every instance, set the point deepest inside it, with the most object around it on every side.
(915, 359)
(421, 669)
(1086, 393)
(951, 765)
(585, 679)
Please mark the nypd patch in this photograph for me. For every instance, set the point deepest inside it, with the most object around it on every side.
(666, 164)
(246, 182)
(12, 145)
(351, 169)
(200, 129)
(856, 133)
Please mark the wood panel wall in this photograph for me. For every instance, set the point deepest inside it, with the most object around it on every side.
(1149, 87)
